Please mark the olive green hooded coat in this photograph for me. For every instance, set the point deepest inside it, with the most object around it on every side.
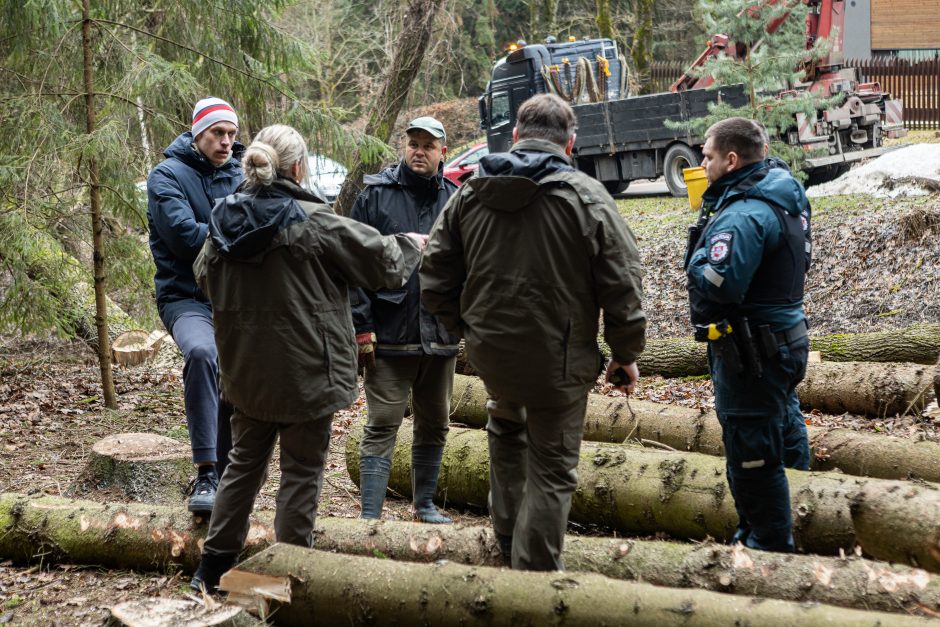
(276, 267)
(520, 263)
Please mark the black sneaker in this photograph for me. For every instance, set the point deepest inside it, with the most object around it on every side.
(210, 571)
(202, 492)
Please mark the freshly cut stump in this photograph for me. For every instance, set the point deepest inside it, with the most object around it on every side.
(140, 466)
(158, 612)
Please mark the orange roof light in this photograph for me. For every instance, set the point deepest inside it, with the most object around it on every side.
(572, 38)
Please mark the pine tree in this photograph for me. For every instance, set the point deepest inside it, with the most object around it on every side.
(91, 91)
(771, 51)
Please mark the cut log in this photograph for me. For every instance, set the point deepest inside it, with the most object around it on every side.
(614, 419)
(159, 611)
(895, 522)
(331, 589)
(138, 467)
(919, 344)
(114, 535)
(162, 538)
(640, 491)
(847, 582)
(872, 389)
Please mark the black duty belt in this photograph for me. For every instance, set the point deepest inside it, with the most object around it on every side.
(793, 334)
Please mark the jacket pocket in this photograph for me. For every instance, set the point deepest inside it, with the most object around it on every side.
(394, 297)
(327, 356)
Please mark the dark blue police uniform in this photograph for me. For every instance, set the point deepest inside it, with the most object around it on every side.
(747, 267)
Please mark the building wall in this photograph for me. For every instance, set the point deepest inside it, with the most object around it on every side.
(904, 24)
(857, 42)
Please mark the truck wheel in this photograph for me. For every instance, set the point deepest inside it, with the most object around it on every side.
(616, 187)
(827, 173)
(678, 157)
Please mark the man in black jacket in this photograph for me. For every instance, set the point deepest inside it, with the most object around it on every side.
(402, 348)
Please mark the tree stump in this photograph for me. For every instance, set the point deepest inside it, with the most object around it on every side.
(138, 467)
(160, 611)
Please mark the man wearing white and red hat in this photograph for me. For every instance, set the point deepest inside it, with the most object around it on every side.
(201, 165)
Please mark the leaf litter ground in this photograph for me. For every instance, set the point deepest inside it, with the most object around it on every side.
(877, 266)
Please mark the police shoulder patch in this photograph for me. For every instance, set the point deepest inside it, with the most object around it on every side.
(719, 247)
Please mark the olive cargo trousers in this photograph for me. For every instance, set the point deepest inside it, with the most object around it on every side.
(533, 475)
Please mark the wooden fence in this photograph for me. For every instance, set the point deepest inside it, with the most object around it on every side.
(915, 82)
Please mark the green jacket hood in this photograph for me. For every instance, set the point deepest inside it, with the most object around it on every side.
(508, 181)
(243, 224)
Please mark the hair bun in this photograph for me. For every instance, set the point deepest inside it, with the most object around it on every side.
(260, 163)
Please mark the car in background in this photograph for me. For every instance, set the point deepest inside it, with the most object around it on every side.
(462, 167)
(325, 176)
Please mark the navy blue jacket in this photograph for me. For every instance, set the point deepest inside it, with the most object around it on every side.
(396, 200)
(741, 236)
(181, 191)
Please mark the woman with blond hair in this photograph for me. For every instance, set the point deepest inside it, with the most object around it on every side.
(276, 267)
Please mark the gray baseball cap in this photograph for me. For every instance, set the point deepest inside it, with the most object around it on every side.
(429, 124)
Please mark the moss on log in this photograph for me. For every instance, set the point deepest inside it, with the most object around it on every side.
(115, 535)
(333, 589)
(611, 419)
(639, 491)
(847, 582)
(51, 529)
(918, 343)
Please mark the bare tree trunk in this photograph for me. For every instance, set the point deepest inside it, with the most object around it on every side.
(615, 419)
(639, 491)
(602, 18)
(412, 44)
(332, 589)
(97, 226)
(642, 48)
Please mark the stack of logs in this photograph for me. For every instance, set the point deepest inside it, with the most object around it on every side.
(866, 523)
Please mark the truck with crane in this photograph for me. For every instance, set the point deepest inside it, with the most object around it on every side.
(622, 138)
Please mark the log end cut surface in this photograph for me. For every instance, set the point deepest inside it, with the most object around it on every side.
(140, 447)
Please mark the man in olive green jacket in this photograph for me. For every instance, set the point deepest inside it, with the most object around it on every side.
(520, 263)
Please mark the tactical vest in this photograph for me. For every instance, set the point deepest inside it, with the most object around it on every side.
(781, 276)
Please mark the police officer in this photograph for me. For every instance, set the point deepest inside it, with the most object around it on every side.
(746, 268)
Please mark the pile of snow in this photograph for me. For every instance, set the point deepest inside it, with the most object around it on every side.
(909, 171)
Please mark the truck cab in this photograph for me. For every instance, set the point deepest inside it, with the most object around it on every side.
(519, 76)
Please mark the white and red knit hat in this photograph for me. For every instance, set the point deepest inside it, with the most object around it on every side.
(209, 111)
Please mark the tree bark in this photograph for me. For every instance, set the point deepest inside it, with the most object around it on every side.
(640, 491)
(137, 466)
(641, 50)
(149, 537)
(919, 344)
(616, 419)
(115, 535)
(871, 389)
(412, 43)
(900, 523)
(97, 227)
(847, 582)
(333, 589)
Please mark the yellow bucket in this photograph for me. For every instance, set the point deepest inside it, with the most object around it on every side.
(696, 184)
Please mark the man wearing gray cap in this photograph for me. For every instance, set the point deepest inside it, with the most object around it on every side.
(402, 348)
